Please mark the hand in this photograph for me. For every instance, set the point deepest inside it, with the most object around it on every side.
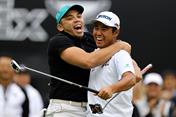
(152, 103)
(124, 45)
(138, 73)
(105, 93)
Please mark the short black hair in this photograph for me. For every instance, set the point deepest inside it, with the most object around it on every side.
(105, 26)
(114, 29)
(169, 72)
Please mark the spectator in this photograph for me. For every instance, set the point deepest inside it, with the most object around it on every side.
(11, 96)
(169, 86)
(152, 105)
(35, 101)
(138, 90)
(169, 90)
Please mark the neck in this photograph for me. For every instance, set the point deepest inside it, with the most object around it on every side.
(80, 37)
(5, 83)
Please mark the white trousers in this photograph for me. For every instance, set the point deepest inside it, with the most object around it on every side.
(59, 108)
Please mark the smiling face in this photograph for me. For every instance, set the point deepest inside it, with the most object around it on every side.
(104, 35)
(72, 23)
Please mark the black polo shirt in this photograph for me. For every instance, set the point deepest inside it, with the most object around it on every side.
(60, 68)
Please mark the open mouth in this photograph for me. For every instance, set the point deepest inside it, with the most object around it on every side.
(78, 28)
(99, 38)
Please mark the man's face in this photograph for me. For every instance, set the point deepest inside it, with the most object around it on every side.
(169, 82)
(153, 90)
(73, 24)
(103, 35)
(6, 72)
(22, 79)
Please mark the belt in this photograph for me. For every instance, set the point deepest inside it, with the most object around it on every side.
(73, 103)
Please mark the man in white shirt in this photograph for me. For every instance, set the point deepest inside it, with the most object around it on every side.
(116, 75)
(23, 79)
(11, 96)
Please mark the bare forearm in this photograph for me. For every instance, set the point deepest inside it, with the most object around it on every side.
(78, 57)
(100, 56)
(124, 84)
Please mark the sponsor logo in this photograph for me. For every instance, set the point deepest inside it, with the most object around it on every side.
(18, 24)
(14, 23)
(104, 16)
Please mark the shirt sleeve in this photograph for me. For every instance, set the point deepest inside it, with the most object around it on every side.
(59, 43)
(123, 62)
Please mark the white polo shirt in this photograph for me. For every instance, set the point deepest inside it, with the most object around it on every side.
(105, 75)
(35, 101)
(11, 101)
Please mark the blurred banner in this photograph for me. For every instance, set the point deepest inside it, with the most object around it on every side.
(19, 24)
(27, 25)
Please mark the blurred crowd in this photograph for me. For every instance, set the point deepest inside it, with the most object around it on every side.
(154, 96)
(17, 97)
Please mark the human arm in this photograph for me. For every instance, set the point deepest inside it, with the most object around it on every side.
(138, 74)
(78, 57)
(124, 73)
(128, 80)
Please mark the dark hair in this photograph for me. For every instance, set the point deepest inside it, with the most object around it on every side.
(114, 29)
(169, 72)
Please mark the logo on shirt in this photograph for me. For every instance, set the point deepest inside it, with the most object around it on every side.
(104, 65)
(127, 65)
(92, 70)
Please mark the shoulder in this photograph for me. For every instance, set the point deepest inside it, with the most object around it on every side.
(60, 40)
(32, 90)
(122, 53)
(58, 37)
(33, 94)
(14, 87)
(15, 90)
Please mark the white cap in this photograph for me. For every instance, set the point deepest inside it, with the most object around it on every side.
(109, 19)
(153, 78)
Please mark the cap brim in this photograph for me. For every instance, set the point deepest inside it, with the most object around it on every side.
(65, 10)
(103, 22)
(152, 82)
(79, 8)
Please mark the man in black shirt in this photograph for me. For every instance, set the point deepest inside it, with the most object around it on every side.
(71, 54)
